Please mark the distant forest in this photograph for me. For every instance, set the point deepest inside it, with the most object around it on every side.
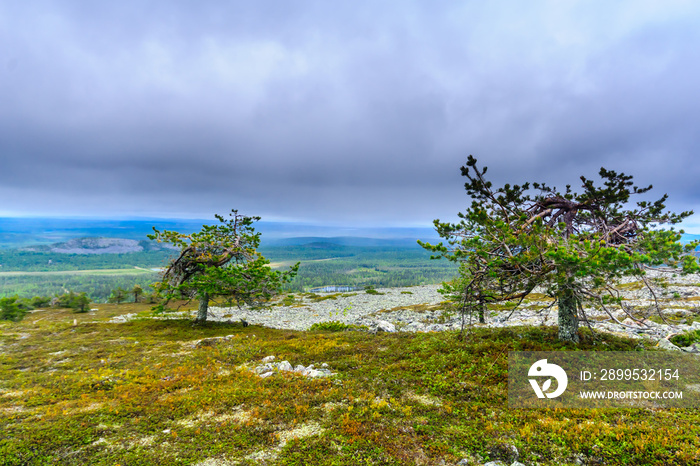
(378, 266)
(356, 262)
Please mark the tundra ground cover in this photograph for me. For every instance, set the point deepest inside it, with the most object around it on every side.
(76, 389)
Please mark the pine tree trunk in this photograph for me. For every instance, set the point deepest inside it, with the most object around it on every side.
(203, 307)
(482, 309)
(568, 315)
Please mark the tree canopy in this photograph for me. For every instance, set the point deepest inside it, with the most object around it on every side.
(574, 247)
(220, 261)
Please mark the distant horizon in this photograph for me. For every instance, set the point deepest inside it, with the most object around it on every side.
(693, 229)
(26, 231)
(272, 228)
(272, 219)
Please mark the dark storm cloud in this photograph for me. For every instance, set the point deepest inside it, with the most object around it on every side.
(337, 111)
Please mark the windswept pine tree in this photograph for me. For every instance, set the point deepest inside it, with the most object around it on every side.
(220, 261)
(574, 247)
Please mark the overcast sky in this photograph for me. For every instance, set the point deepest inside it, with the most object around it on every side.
(346, 112)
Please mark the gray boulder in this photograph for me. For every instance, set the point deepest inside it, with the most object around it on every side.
(416, 327)
(285, 366)
(264, 368)
(435, 328)
(384, 326)
(694, 348)
(667, 345)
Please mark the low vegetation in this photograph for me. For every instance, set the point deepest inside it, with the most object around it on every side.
(79, 389)
(686, 339)
(97, 284)
(335, 326)
(15, 308)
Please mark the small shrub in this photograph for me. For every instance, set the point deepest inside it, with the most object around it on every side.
(10, 309)
(78, 302)
(40, 301)
(331, 326)
(324, 298)
(289, 300)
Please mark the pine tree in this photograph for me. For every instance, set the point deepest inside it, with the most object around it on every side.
(574, 247)
(220, 260)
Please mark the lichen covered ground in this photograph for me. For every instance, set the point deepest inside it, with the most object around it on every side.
(79, 389)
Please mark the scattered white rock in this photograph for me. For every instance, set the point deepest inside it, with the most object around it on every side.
(694, 348)
(213, 341)
(435, 328)
(269, 368)
(667, 345)
(392, 311)
(122, 319)
(631, 323)
(264, 368)
(285, 366)
(384, 326)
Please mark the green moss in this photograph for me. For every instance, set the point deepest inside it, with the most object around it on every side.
(289, 300)
(423, 307)
(686, 339)
(538, 297)
(326, 297)
(637, 285)
(331, 326)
